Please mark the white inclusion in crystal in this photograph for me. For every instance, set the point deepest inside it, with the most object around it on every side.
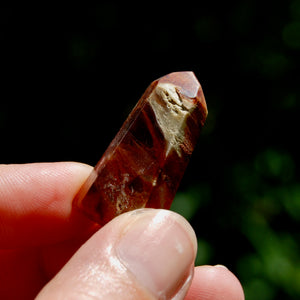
(171, 114)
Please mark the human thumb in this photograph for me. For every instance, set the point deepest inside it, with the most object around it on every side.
(143, 254)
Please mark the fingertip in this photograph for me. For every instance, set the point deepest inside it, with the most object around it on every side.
(36, 201)
(215, 282)
(159, 249)
(81, 170)
(143, 254)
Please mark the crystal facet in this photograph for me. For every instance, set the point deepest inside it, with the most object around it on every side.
(145, 162)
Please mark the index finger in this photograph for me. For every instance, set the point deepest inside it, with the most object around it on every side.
(36, 203)
(215, 282)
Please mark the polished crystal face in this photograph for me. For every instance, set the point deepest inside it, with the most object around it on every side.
(145, 162)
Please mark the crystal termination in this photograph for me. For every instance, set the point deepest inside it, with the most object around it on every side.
(143, 165)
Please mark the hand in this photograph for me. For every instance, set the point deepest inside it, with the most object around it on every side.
(144, 254)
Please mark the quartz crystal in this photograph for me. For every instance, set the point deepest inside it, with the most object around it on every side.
(145, 162)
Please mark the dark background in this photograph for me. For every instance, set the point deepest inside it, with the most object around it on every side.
(70, 76)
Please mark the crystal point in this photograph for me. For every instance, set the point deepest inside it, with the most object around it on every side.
(143, 165)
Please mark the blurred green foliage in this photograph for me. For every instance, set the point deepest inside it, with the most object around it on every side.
(262, 189)
(269, 206)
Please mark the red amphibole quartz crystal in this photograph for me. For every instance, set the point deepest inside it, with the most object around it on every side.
(145, 162)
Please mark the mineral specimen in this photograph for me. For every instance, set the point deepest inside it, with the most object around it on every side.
(145, 162)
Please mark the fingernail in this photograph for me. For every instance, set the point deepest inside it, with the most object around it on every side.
(159, 247)
(221, 266)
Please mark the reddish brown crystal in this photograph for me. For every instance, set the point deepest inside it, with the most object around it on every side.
(145, 162)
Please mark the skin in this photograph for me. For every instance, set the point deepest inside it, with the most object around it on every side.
(39, 232)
